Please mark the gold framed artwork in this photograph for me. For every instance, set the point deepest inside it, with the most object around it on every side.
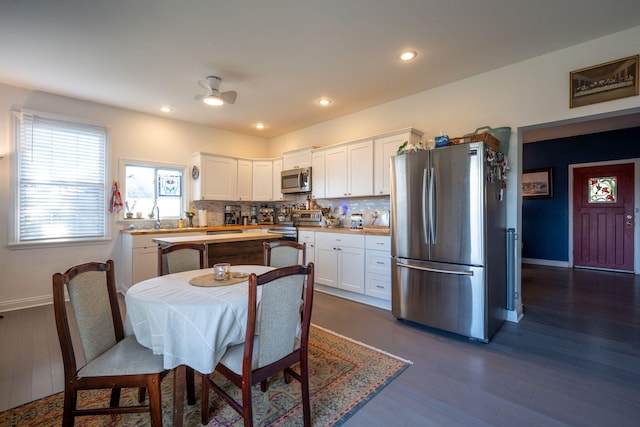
(537, 183)
(604, 82)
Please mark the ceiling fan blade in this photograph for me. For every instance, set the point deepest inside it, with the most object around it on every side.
(199, 97)
(204, 84)
(229, 97)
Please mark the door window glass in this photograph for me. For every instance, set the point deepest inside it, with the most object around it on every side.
(603, 189)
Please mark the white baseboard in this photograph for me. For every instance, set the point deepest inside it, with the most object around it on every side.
(547, 262)
(515, 315)
(25, 303)
(43, 300)
(364, 299)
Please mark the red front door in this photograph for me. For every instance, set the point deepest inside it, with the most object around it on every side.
(603, 217)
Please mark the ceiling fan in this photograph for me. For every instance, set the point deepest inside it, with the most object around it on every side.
(213, 95)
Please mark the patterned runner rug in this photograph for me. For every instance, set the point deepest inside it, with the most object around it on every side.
(344, 375)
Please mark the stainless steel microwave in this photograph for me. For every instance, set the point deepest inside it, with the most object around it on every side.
(296, 180)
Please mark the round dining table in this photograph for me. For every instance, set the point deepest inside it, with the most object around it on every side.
(190, 324)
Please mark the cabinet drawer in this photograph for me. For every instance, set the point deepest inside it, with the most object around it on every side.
(378, 243)
(340, 239)
(379, 262)
(378, 286)
(306, 237)
(145, 241)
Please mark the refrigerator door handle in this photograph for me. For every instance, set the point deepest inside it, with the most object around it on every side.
(433, 209)
(437, 270)
(425, 226)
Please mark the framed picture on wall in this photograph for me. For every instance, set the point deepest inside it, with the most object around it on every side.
(537, 183)
(604, 82)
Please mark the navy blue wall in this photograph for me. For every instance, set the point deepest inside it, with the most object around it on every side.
(545, 222)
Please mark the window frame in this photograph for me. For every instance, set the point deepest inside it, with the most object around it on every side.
(14, 236)
(186, 184)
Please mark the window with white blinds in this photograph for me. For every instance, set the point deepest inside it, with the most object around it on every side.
(61, 180)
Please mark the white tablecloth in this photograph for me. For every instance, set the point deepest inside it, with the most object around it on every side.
(189, 325)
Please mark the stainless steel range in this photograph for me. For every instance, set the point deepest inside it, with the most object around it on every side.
(307, 218)
(286, 230)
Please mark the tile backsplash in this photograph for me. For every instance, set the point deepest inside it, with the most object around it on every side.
(215, 209)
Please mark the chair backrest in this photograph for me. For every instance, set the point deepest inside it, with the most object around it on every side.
(277, 321)
(182, 257)
(283, 253)
(94, 302)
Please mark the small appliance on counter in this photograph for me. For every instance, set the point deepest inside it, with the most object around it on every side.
(231, 214)
(266, 215)
(254, 214)
(356, 221)
(307, 218)
(374, 218)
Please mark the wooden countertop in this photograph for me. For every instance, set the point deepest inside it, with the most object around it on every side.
(217, 238)
(382, 231)
(192, 229)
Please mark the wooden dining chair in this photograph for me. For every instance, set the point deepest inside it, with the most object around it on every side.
(272, 342)
(176, 258)
(112, 361)
(182, 257)
(283, 253)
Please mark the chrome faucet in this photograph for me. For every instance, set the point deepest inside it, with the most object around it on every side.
(156, 212)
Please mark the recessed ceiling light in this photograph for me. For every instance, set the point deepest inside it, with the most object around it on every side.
(260, 126)
(408, 55)
(166, 109)
(324, 101)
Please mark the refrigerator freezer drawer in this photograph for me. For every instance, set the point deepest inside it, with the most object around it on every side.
(442, 296)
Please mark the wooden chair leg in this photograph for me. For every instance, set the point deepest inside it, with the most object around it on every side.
(304, 382)
(142, 394)
(155, 403)
(263, 386)
(247, 410)
(70, 400)
(191, 391)
(204, 395)
(115, 397)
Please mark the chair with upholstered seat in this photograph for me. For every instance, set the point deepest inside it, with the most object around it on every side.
(112, 361)
(283, 253)
(176, 258)
(182, 257)
(275, 340)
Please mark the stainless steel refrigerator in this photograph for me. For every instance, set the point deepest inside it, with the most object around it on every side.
(448, 239)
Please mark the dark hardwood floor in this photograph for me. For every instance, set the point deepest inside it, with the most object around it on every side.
(573, 360)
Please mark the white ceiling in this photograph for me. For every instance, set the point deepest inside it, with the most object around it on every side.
(280, 55)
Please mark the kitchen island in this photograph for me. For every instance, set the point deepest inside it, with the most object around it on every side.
(234, 248)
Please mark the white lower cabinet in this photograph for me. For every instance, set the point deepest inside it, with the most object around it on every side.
(339, 260)
(378, 266)
(309, 239)
(140, 256)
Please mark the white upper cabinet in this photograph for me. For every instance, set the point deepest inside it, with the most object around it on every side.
(245, 180)
(349, 170)
(277, 180)
(262, 180)
(318, 175)
(360, 168)
(218, 177)
(384, 148)
(335, 168)
(297, 159)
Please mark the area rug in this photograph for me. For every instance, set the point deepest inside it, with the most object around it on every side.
(344, 375)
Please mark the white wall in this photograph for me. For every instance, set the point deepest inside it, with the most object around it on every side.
(25, 277)
(528, 93)
(532, 92)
